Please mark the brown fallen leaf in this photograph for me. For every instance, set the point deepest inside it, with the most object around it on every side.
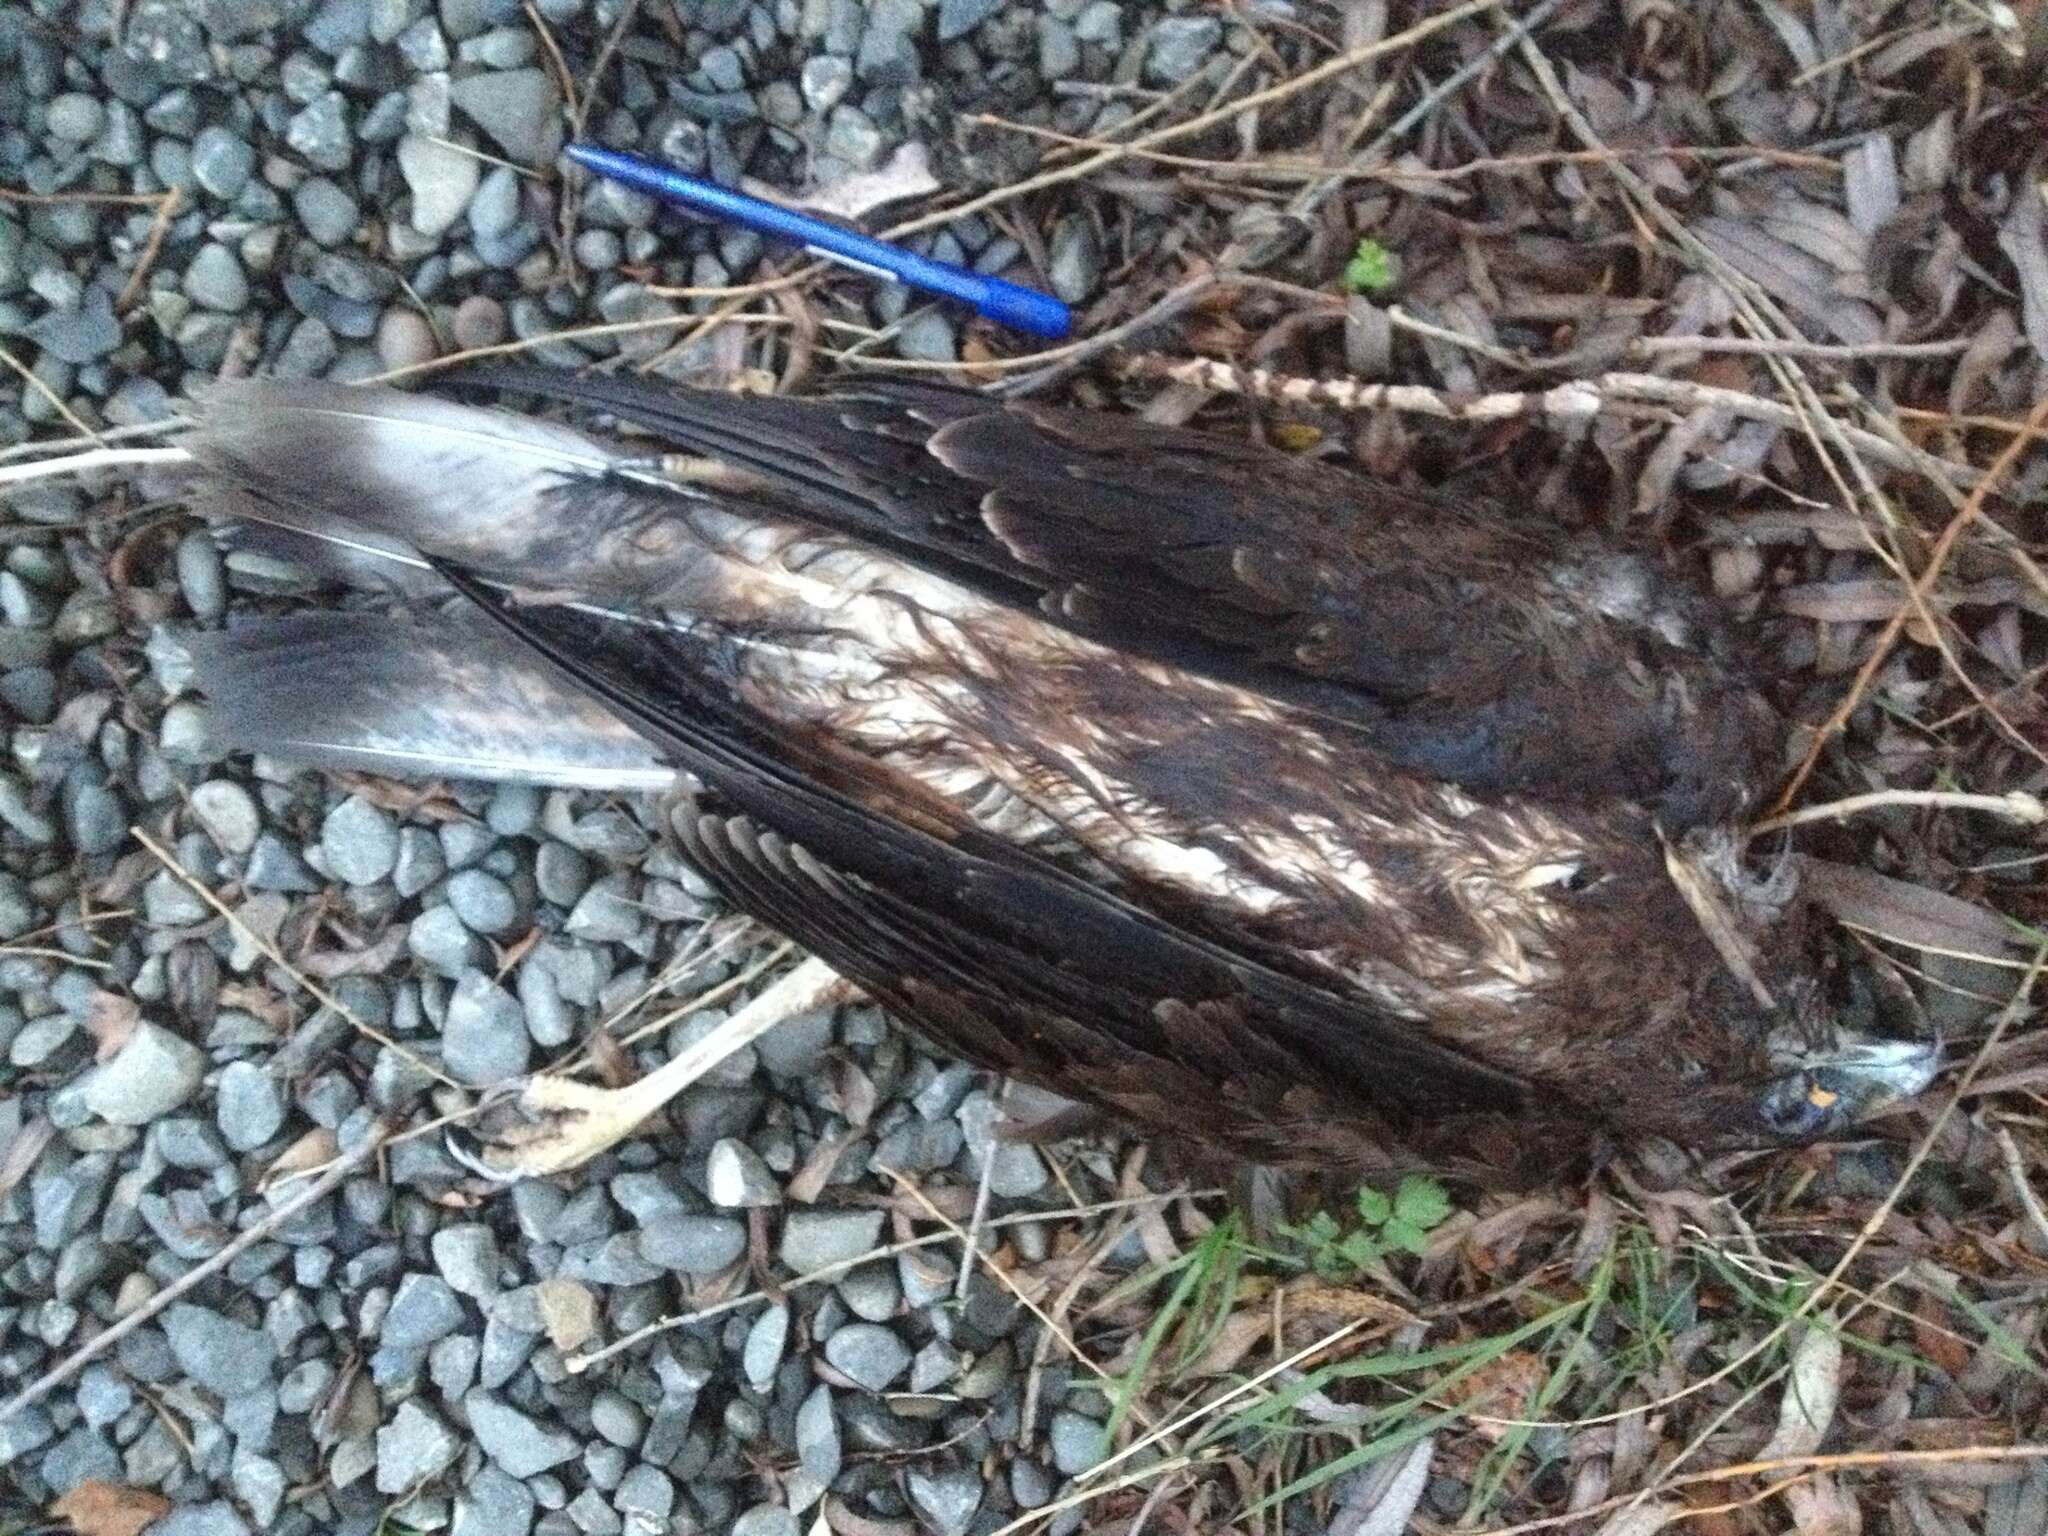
(1502, 1388)
(1908, 914)
(316, 1149)
(110, 1019)
(22, 1151)
(110, 1509)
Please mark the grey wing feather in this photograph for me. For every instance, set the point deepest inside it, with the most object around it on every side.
(431, 696)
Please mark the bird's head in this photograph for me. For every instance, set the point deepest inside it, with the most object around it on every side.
(1790, 1058)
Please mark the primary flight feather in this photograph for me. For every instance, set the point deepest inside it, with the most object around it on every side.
(1243, 797)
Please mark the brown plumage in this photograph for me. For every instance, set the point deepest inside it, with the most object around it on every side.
(1242, 796)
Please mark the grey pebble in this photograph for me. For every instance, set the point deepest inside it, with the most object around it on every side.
(736, 1177)
(1030, 1485)
(149, 1076)
(812, 1239)
(417, 1445)
(1074, 259)
(326, 210)
(201, 577)
(424, 1309)
(222, 162)
(438, 941)
(419, 863)
(947, 1499)
(1076, 1442)
(695, 1245)
(761, 1354)
(442, 180)
(74, 117)
(484, 1038)
(766, 1520)
(518, 108)
(216, 281)
(793, 1047)
(492, 1503)
(647, 1499)
(467, 1256)
(464, 843)
(228, 1358)
(275, 866)
(959, 17)
(320, 132)
(360, 841)
(479, 322)
(168, 902)
(1015, 1167)
(560, 873)
(229, 815)
(608, 912)
(249, 1105)
(867, 1354)
(215, 1518)
(80, 334)
(871, 1292)
(618, 1419)
(1179, 47)
(929, 335)
(521, 1445)
(817, 1437)
(483, 902)
(495, 208)
(851, 136)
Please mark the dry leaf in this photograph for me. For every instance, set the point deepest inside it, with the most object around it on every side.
(1386, 1493)
(1503, 1388)
(1905, 913)
(906, 174)
(568, 1311)
(23, 1149)
(1820, 1508)
(372, 960)
(610, 1060)
(110, 1509)
(1240, 1334)
(1811, 1389)
(316, 1149)
(110, 1019)
(1640, 1520)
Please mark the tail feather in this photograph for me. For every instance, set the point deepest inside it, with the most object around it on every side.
(431, 696)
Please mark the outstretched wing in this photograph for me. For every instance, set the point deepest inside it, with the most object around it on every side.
(1498, 653)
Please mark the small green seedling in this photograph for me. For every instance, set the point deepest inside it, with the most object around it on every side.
(1372, 268)
(1396, 1223)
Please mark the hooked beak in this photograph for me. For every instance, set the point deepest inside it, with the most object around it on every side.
(1830, 1091)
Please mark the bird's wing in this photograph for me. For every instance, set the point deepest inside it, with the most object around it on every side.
(1471, 646)
(993, 950)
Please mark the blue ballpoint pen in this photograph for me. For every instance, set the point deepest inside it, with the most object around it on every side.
(1024, 309)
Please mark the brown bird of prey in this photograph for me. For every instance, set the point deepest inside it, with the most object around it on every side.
(1242, 797)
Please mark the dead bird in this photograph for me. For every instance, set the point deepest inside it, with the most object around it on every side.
(1237, 795)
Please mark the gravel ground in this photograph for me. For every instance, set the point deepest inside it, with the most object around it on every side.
(363, 185)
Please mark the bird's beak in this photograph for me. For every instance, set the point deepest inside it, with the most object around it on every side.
(1827, 1092)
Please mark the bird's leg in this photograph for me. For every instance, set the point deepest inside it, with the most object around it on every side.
(548, 1124)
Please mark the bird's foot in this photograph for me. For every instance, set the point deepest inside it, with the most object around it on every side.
(548, 1124)
(541, 1125)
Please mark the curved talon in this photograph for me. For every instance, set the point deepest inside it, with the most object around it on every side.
(545, 1125)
